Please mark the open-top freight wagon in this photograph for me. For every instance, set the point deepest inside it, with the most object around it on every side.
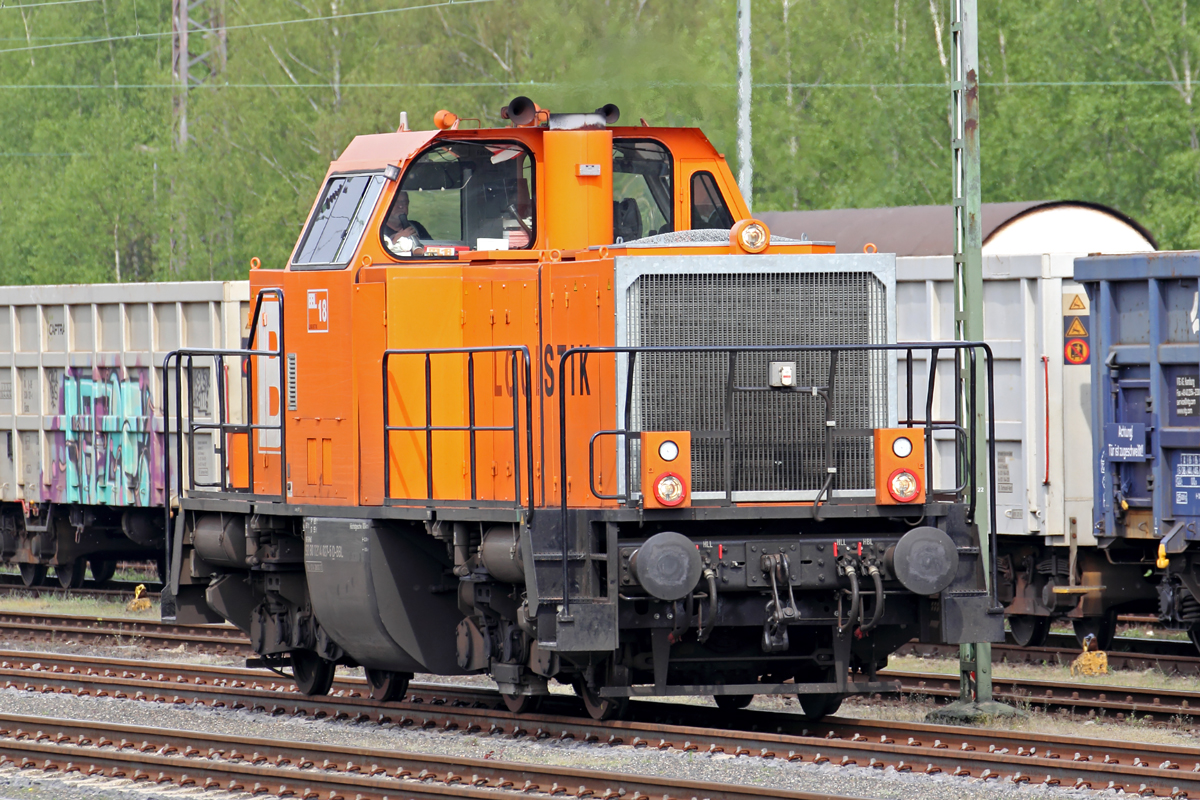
(545, 402)
(81, 458)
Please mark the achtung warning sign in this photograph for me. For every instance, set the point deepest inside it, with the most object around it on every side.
(1075, 327)
(1076, 351)
(1075, 303)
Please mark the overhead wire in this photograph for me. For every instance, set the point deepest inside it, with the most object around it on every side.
(4, 6)
(248, 25)
(575, 84)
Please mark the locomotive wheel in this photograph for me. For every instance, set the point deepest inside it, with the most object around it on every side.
(733, 702)
(103, 570)
(1104, 628)
(313, 674)
(1028, 630)
(33, 574)
(387, 686)
(1194, 635)
(523, 703)
(600, 708)
(71, 574)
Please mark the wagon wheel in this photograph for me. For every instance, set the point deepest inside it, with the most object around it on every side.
(103, 570)
(33, 574)
(600, 708)
(522, 703)
(387, 686)
(313, 674)
(817, 706)
(1104, 628)
(1194, 635)
(1028, 630)
(71, 574)
(733, 702)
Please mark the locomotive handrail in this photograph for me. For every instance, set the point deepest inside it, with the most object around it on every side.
(519, 371)
(190, 354)
(964, 464)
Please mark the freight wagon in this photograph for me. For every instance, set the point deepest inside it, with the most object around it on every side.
(81, 463)
(545, 402)
(1145, 396)
(1054, 561)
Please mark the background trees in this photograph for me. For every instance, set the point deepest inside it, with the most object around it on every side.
(1082, 99)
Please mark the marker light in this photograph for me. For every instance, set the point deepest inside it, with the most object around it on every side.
(904, 486)
(902, 447)
(754, 237)
(669, 489)
(668, 451)
(750, 236)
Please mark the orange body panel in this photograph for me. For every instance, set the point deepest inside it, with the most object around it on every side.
(581, 212)
(887, 462)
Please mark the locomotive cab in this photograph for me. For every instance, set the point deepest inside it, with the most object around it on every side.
(546, 402)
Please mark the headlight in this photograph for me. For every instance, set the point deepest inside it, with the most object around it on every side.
(904, 486)
(669, 489)
(754, 237)
(668, 451)
(902, 447)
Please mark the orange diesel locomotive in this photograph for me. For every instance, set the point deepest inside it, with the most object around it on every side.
(544, 402)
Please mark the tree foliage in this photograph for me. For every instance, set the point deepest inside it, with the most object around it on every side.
(1081, 99)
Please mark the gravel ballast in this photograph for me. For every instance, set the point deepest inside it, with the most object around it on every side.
(722, 768)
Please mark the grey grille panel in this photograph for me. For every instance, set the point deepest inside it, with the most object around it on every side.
(778, 439)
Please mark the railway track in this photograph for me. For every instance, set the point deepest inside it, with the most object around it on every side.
(1179, 663)
(1021, 756)
(41, 627)
(1167, 655)
(320, 770)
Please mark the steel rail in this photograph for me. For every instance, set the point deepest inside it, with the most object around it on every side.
(1017, 755)
(332, 768)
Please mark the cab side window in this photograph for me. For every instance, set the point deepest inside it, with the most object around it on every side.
(643, 189)
(708, 206)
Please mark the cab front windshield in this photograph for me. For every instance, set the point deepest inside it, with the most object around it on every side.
(460, 196)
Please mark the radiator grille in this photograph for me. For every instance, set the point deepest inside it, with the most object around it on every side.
(778, 439)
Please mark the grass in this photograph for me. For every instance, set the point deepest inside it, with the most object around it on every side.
(26, 603)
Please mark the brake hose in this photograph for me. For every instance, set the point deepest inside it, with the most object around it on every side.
(854, 599)
(877, 579)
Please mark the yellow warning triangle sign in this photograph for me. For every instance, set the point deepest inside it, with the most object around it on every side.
(1076, 328)
(1077, 304)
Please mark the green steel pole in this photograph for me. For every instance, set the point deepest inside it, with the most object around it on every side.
(968, 279)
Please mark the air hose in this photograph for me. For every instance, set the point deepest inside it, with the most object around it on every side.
(854, 600)
(877, 579)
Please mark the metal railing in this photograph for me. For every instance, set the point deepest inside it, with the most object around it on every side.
(965, 436)
(186, 426)
(521, 377)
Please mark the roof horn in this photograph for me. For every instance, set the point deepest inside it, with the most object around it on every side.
(521, 111)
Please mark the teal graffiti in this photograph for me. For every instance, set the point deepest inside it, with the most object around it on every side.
(104, 448)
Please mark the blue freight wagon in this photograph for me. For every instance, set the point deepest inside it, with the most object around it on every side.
(1146, 409)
